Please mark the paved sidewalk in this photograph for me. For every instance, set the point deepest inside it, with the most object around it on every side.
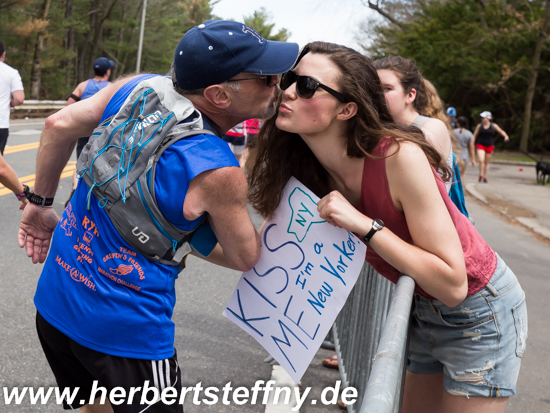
(512, 190)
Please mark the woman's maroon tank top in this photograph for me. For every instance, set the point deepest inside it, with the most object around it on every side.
(376, 202)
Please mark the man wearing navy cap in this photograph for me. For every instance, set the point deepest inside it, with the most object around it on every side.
(104, 310)
(86, 89)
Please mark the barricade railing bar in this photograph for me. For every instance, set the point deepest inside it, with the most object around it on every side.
(371, 335)
(31, 104)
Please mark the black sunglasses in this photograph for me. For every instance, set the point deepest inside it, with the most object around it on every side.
(268, 79)
(307, 86)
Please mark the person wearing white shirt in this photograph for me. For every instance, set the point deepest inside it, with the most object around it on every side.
(11, 95)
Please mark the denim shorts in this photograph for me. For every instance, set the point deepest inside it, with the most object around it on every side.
(478, 344)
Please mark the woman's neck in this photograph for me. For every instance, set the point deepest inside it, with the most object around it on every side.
(406, 117)
(345, 173)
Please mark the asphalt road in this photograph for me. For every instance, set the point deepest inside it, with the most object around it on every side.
(211, 349)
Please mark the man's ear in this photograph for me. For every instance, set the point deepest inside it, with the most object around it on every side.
(348, 111)
(217, 96)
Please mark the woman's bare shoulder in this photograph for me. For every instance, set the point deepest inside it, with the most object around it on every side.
(404, 153)
(435, 127)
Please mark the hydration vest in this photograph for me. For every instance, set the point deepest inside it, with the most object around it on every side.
(118, 164)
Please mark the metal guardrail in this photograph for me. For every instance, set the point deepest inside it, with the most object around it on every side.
(363, 323)
(384, 388)
(40, 105)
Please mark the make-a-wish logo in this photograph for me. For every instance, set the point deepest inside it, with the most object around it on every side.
(122, 269)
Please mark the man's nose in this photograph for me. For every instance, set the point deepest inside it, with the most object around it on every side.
(274, 80)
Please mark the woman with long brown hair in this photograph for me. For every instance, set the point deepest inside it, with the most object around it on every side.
(413, 100)
(377, 179)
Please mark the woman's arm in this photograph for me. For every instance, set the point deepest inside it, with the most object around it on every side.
(9, 179)
(476, 131)
(499, 130)
(472, 152)
(435, 261)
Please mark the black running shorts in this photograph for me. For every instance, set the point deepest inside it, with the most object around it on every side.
(75, 366)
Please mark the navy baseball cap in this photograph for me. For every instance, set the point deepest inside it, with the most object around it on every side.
(217, 50)
(103, 64)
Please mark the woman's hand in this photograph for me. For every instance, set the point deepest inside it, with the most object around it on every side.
(336, 210)
(24, 203)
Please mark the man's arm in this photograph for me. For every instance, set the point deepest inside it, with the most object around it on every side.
(17, 97)
(222, 194)
(64, 128)
(56, 145)
(77, 92)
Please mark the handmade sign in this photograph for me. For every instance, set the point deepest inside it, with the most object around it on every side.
(290, 299)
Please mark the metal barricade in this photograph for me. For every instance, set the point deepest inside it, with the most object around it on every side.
(370, 335)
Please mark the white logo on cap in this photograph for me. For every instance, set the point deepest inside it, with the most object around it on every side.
(253, 32)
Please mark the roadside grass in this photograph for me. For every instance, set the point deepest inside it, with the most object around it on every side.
(504, 155)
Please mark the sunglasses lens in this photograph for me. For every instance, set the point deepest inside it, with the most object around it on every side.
(306, 87)
(268, 80)
(287, 79)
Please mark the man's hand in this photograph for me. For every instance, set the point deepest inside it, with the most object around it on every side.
(35, 231)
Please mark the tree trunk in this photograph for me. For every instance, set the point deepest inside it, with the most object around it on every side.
(482, 21)
(83, 50)
(119, 68)
(125, 60)
(69, 42)
(524, 143)
(99, 28)
(38, 47)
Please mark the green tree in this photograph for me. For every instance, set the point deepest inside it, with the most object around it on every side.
(73, 33)
(259, 21)
(481, 56)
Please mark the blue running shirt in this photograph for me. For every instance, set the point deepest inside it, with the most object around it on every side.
(94, 287)
(92, 87)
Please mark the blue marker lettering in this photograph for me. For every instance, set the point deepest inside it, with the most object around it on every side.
(286, 341)
(343, 251)
(332, 271)
(243, 318)
(281, 246)
(300, 319)
(270, 271)
(302, 283)
(315, 303)
(324, 292)
(318, 247)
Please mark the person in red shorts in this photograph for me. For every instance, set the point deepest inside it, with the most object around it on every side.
(484, 137)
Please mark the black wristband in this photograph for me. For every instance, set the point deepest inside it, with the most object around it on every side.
(76, 98)
(37, 199)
